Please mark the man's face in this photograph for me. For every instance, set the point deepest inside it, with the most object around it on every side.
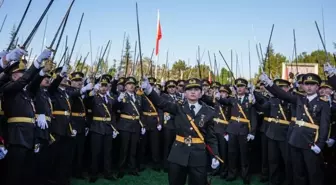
(322, 92)
(77, 83)
(130, 87)
(224, 94)
(171, 90)
(17, 75)
(180, 87)
(103, 89)
(206, 88)
(45, 82)
(328, 91)
(109, 86)
(310, 89)
(241, 89)
(193, 94)
(120, 88)
(262, 88)
(285, 88)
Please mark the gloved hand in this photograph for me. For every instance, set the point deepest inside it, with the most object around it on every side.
(37, 148)
(86, 88)
(121, 97)
(329, 69)
(16, 54)
(3, 53)
(143, 131)
(116, 76)
(264, 78)
(96, 87)
(250, 137)
(226, 137)
(86, 131)
(147, 88)
(159, 127)
(46, 54)
(114, 134)
(316, 149)
(251, 98)
(64, 71)
(163, 83)
(166, 117)
(3, 152)
(42, 121)
(217, 95)
(215, 163)
(74, 133)
(330, 142)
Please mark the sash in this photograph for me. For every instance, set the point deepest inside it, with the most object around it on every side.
(151, 104)
(243, 113)
(108, 112)
(135, 108)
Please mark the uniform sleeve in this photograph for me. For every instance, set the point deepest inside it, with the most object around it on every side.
(253, 120)
(54, 84)
(4, 78)
(226, 101)
(324, 125)
(332, 81)
(163, 104)
(34, 85)
(15, 86)
(281, 94)
(210, 137)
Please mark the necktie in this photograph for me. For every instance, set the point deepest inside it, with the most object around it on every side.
(192, 109)
(240, 100)
(106, 101)
(132, 96)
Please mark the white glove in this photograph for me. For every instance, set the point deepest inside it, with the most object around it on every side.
(215, 163)
(16, 54)
(250, 137)
(330, 142)
(41, 121)
(116, 76)
(166, 117)
(329, 69)
(264, 78)
(159, 127)
(226, 137)
(37, 148)
(251, 98)
(3, 53)
(217, 95)
(3, 152)
(96, 87)
(163, 83)
(121, 97)
(46, 54)
(316, 149)
(147, 88)
(143, 131)
(88, 87)
(115, 134)
(86, 131)
(74, 133)
(64, 71)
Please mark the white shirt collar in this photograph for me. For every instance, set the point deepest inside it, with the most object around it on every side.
(197, 106)
(311, 97)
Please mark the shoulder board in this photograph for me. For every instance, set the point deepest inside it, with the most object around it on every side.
(324, 99)
(140, 93)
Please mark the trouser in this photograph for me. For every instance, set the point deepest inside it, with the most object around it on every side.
(20, 165)
(264, 156)
(307, 167)
(61, 154)
(277, 157)
(151, 138)
(128, 149)
(236, 144)
(177, 175)
(289, 165)
(42, 164)
(330, 165)
(168, 140)
(78, 154)
(101, 148)
(223, 153)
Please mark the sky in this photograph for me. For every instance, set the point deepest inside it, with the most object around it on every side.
(186, 24)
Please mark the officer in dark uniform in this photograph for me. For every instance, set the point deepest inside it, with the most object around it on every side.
(180, 90)
(78, 120)
(169, 131)
(241, 129)
(195, 129)
(20, 111)
(103, 130)
(310, 131)
(276, 133)
(129, 126)
(151, 121)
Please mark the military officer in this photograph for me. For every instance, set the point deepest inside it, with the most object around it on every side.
(310, 131)
(180, 89)
(195, 130)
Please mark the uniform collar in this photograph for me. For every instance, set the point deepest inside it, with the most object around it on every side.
(311, 97)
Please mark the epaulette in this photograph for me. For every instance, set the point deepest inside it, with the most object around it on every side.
(91, 93)
(139, 92)
(324, 99)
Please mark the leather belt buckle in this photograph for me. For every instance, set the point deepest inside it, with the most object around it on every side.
(187, 141)
(104, 119)
(133, 117)
(300, 123)
(238, 119)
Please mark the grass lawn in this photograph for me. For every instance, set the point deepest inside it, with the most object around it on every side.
(150, 177)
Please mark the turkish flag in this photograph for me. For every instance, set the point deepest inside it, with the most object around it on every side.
(158, 35)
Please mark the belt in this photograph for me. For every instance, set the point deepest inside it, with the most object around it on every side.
(101, 119)
(47, 117)
(293, 119)
(221, 121)
(21, 120)
(61, 113)
(189, 140)
(125, 116)
(281, 121)
(240, 119)
(150, 113)
(309, 125)
(89, 110)
(78, 114)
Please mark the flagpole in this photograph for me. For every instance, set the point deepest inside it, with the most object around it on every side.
(158, 37)
(156, 63)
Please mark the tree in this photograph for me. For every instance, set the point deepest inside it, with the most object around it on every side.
(127, 57)
(178, 69)
(12, 35)
(273, 65)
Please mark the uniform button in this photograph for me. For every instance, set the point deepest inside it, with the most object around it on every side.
(191, 128)
(304, 114)
(278, 111)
